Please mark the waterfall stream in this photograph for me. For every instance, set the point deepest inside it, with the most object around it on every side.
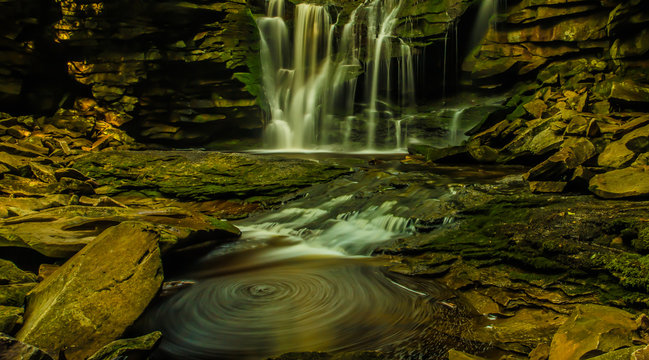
(300, 279)
(311, 89)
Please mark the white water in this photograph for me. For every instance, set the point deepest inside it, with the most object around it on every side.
(311, 90)
(454, 128)
(355, 232)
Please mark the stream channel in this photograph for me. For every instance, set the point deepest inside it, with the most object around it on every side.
(302, 276)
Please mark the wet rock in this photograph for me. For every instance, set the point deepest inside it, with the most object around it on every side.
(547, 186)
(459, 355)
(529, 327)
(622, 354)
(11, 274)
(621, 153)
(73, 311)
(628, 90)
(14, 294)
(43, 173)
(45, 270)
(61, 232)
(202, 175)
(15, 149)
(536, 108)
(541, 352)
(591, 329)
(448, 154)
(641, 354)
(572, 154)
(631, 125)
(10, 317)
(622, 183)
(24, 206)
(12, 349)
(577, 126)
(140, 346)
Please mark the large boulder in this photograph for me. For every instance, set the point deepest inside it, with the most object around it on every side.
(91, 299)
(622, 183)
(622, 152)
(592, 329)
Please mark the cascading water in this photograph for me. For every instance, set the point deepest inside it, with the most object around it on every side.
(311, 96)
(299, 280)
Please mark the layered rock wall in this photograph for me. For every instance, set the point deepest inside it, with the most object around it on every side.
(186, 70)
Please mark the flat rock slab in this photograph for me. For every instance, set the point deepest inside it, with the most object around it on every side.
(61, 232)
(96, 295)
(200, 175)
(593, 328)
(623, 183)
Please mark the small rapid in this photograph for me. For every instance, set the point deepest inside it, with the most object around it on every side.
(300, 279)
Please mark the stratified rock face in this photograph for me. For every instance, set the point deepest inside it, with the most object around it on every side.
(532, 34)
(426, 21)
(95, 295)
(173, 65)
(32, 75)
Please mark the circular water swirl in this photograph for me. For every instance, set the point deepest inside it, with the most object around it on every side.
(301, 306)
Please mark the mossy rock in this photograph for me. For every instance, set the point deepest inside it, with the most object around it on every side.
(14, 294)
(11, 274)
(92, 298)
(197, 175)
(10, 316)
(127, 348)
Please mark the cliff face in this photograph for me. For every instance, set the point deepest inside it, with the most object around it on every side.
(531, 35)
(173, 65)
(180, 68)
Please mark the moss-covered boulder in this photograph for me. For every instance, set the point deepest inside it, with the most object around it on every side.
(96, 295)
(139, 346)
(194, 175)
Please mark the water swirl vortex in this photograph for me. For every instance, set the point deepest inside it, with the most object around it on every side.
(327, 305)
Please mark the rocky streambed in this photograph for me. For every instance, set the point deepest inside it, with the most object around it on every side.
(411, 260)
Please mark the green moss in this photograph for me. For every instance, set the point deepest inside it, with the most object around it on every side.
(631, 270)
(641, 242)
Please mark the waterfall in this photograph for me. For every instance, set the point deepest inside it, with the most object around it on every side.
(488, 8)
(311, 88)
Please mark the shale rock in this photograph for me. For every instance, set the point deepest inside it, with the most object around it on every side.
(572, 154)
(593, 328)
(10, 316)
(12, 349)
(74, 310)
(621, 153)
(128, 347)
(61, 232)
(193, 175)
(622, 183)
